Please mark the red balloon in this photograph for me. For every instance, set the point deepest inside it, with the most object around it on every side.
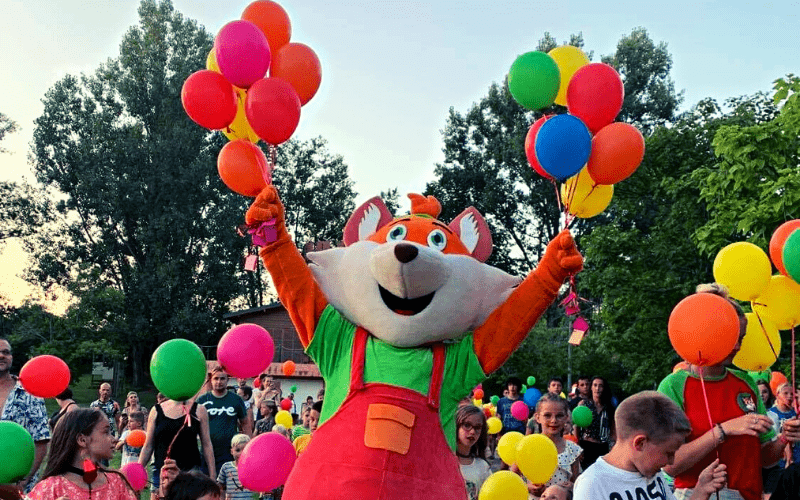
(257, 383)
(617, 151)
(530, 147)
(778, 240)
(273, 110)
(45, 376)
(703, 328)
(286, 404)
(595, 94)
(288, 368)
(272, 20)
(209, 99)
(299, 65)
(478, 394)
(241, 165)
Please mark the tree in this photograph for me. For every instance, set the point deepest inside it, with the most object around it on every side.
(7, 126)
(144, 218)
(23, 209)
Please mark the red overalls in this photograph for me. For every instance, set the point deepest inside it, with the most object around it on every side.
(383, 443)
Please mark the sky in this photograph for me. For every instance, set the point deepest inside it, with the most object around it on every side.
(392, 69)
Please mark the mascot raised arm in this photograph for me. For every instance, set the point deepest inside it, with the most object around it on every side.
(403, 322)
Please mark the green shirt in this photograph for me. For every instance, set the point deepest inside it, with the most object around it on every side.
(409, 367)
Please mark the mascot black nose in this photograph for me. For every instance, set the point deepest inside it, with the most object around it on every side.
(405, 253)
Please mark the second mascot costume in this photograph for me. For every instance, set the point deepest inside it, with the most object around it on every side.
(403, 322)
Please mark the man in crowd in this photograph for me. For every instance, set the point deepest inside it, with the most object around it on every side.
(227, 416)
(584, 392)
(108, 406)
(18, 406)
(555, 386)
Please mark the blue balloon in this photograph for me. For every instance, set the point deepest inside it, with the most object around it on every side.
(563, 145)
(532, 396)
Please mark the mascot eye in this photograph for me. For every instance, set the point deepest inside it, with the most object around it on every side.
(397, 233)
(437, 239)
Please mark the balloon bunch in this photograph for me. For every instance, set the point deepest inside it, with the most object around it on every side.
(581, 148)
(536, 457)
(253, 87)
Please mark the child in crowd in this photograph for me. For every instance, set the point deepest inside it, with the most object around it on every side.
(781, 412)
(471, 436)
(301, 441)
(552, 413)
(650, 429)
(283, 431)
(556, 492)
(228, 478)
(130, 453)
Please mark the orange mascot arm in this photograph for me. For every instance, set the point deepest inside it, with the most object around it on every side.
(505, 329)
(296, 286)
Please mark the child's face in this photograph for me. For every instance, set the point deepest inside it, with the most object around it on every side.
(236, 451)
(313, 420)
(552, 417)
(650, 457)
(554, 387)
(306, 416)
(134, 424)
(470, 430)
(100, 443)
(513, 391)
(554, 492)
(784, 395)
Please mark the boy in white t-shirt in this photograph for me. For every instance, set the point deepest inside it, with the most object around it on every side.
(650, 429)
(130, 453)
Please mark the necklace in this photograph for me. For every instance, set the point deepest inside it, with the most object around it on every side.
(459, 455)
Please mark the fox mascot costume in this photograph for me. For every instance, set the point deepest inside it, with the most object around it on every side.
(403, 322)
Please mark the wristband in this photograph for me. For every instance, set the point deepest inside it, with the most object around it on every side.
(783, 439)
(722, 435)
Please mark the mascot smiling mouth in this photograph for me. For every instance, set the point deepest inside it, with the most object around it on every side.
(405, 307)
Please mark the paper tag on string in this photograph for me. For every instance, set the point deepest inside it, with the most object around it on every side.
(251, 263)
(579, 329)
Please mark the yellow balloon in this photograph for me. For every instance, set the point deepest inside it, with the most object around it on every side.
(569, 59)
(240, 128)
(284, 418)
(537, 458)
(584, 197)
(744, 268)
(756, 354)
(494, 425)
(211, 61)
(507, 447)
(503, 485)
(780, 302)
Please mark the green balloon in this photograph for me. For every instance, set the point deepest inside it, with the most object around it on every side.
(495, 400)
(293, 388)
(16, 448)
(531, 380)
(524, 388)
(791, 255)
(582, 416)
(533, 80)
(178, 369)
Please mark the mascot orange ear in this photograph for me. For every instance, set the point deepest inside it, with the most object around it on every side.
(471, 228)
(425, 205)
(366, 220)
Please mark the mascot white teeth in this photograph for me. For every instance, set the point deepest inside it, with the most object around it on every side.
(403, 322)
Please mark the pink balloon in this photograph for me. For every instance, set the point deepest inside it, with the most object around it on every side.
(266, 462)
(135, 474)
(242, 53)
(519, 410)
(245, 350)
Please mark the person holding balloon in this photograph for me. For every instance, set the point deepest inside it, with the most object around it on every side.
(552, 414)
(81, 440)
(471, 438)
(596, 438)
(728, 418)
(131, 453)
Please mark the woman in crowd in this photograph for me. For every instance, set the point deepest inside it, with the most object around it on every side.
(741, 436)
(595, 439)
(81, 440)
(65, 404)
(132, 405)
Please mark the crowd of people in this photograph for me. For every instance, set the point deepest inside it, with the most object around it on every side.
(708, 430)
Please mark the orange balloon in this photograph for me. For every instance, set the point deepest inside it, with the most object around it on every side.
(136, 438)
(776, 380)
(288, 368)
(299, 65)
(703, 329)
(778, 240)
(272, 20)
(240, 165)
(570, 437)
(478, 394)
(617, 151)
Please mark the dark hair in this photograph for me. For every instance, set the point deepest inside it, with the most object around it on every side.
(605, 396)
(464, 412)
(514, 381)
(584, 377)
(555, 379)
(65, 395)
(136, 415)
(64, 444)
(191, 486)
(771, 399)
(317, 406)
(248, 392)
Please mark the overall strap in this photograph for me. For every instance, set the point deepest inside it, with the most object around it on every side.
(357, 360)
(437, 375)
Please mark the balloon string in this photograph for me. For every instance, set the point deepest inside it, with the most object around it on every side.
(763, 329)
(272, 159)
(708, 407)
(794, 380)
(186, 423)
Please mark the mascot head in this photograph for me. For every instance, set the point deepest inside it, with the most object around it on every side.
(412, 280)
